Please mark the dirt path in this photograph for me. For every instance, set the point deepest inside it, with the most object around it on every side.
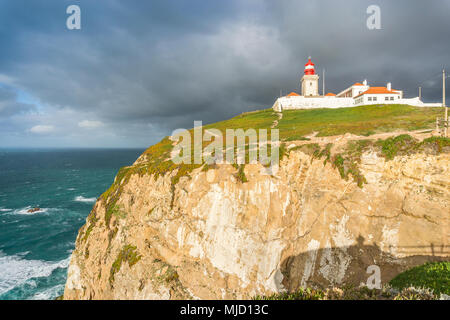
(275, 123)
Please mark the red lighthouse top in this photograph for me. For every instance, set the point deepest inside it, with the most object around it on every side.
(309, 67)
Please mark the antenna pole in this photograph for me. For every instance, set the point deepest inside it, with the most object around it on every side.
(420, 93)
(443, 104)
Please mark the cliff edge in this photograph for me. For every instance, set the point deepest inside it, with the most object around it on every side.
(336, 206)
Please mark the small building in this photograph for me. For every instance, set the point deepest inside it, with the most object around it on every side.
(382, 95)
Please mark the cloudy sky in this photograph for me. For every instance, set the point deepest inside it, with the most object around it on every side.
(139, 69)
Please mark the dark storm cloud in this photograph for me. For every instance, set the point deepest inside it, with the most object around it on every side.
(145, 68)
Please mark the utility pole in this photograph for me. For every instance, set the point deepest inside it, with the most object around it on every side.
(420, 93)
(443, 103)
(323, 85)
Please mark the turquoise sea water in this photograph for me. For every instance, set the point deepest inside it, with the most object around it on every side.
(35, 247)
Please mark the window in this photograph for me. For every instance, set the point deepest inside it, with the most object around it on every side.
(386, 98)
(370, 98)
(374, 99)
(392, 98)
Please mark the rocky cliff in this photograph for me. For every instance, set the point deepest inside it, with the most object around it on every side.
(318, 221)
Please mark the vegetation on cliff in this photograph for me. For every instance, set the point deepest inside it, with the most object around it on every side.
(347, 160)
(294, 125)
(425, 282)
(354, 293)
(127, 254)
(435, 276)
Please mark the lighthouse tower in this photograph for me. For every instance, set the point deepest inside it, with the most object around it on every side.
(310, 80)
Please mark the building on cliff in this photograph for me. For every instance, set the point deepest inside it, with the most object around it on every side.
(356, 95)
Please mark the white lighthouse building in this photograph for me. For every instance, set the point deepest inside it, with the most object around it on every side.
(356, 95)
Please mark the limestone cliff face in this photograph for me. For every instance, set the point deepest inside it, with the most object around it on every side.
(223, 239)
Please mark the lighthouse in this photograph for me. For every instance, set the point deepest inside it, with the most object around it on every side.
(310, 81)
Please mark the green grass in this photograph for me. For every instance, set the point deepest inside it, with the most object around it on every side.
(349, 292)
(301, 294)
(405, 144)
(435, 276)
(241, 174)
(394, 146)
(262, 119)
(363, 120)
(127, 254)
(156, 158)
(294, 125)
(425, 282)
(92, 218)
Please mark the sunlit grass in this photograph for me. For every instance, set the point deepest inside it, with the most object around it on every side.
(363, 120)
(294, 125)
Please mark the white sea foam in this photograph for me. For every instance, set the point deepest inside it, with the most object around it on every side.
(15, 270)
(5, 210)
(83, 199)
(49, 294)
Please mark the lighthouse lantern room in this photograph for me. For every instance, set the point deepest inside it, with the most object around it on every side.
(310, 81)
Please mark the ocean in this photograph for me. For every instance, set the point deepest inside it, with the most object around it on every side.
(35, 247)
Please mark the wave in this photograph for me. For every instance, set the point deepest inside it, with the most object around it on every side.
(86, 200)
(5, 210)
(16, 270)
(50, 293)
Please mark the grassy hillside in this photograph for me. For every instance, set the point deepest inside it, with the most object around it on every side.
(364, 120)
(293, 125)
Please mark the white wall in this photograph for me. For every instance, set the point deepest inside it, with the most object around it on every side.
(416, 102)
(356, 90)
(300, 102)
(381, 99)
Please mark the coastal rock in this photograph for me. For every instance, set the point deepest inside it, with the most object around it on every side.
(219, 238)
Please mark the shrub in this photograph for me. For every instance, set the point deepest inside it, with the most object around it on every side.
(435, 276)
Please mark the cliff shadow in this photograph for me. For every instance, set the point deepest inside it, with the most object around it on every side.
(337, 266)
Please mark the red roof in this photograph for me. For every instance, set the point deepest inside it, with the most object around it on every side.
(293, 94)
(378, 90)
(358, 84)
(309, 63)
(330, 94)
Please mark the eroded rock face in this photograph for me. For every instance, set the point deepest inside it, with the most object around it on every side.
(224, 239)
